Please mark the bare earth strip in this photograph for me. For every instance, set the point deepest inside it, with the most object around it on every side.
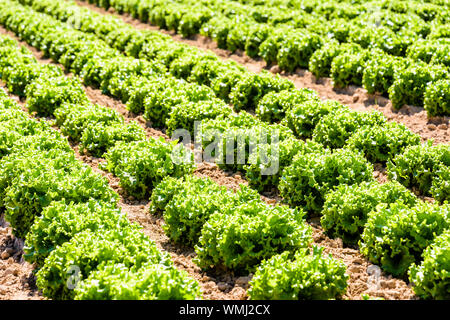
(17, 281)
(357, 98)
(215, 284)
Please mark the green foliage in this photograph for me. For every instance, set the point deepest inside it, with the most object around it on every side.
(431, 278)
(256, 35)
(164, 191)
(12, 114)
(8, 138)
(283, 36)
(76, 224)
(158, 103)
(229, 141)
(14, 164)
(116, 281)
(20, 75)
(98, 138)
(183, 115)
(302, 118)
(181, 67)
(41, 141)
(38, 185)
(251, 88)
(439, 32)
(440, 186)
(346, 208)
(273, 106)
(424, 168)
(410, 84)
(365, 296)
(266, 164)
(188, 202)
(74, 119)
(18, 133)
(348, 67)
(224, 82)
(430, 51)
(296, 50)
(268, 49)
(217, 29)
(44, 95)
(171, 51)
(8, 104)
(237, 33)
(379, 72)
(61, 221)
(311, 176)
(246, 27)
(395, 235)
(191, 22)
(437, 98)
(338, 29)
(143, 87)
(190, 207)
(208, 68)
(334, 129)
(140, 165)
(381, 143)
(305, 276)
(116, 75)
(321, 59)
(240, 237)
(91, 71)
(87, 251)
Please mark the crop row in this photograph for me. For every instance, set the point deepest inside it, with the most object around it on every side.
(376, 141)
(427, 10)
(140, 82)
(240, 233)
(268, 230)
(392, 58)
(69, 217)
(344, 167)
(401, 6)
(336, 19)
(408, 80)
(405, 236)
(227, 80)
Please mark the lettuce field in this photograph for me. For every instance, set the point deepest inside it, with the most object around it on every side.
(224, 149)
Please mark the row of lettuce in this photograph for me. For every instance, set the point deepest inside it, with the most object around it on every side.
(427, 9)
(407, 237)
(78, 238)
(175, 103)
(421, 78)
(380, 49)
(328, 123)
(74, 231)
(315, 172)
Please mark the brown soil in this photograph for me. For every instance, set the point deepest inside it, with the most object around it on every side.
(365, 278)
(17, 281)
(215, 284)
(357, 98)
